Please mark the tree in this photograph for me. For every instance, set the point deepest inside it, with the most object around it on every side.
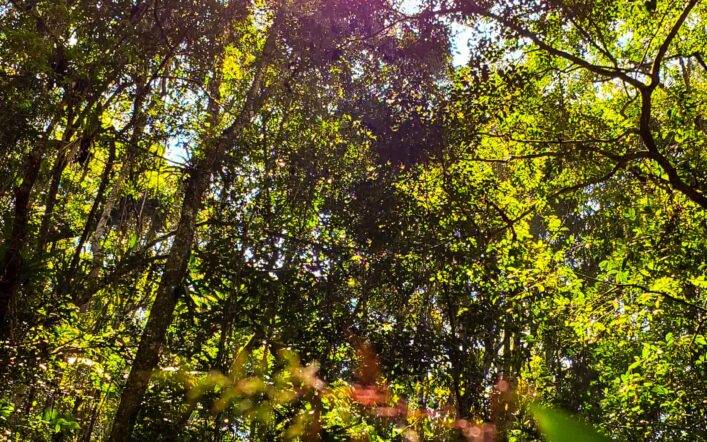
(299, 220)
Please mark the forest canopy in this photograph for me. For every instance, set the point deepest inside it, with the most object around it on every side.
(246, 220)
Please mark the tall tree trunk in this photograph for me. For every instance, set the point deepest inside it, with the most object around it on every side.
(11, 264)
(147, 357)
(153, 336)
(11, 261)
(138, 121)
(78, 295)
(60, 164)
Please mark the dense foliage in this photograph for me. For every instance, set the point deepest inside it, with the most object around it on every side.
(305, 219)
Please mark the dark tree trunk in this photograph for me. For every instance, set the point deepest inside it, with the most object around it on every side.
(147, 357)
(153, 336)
(11, 264)
(78, 295)
(60, 164)
(100, 230)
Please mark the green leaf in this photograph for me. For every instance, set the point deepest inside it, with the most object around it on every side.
(557, 426)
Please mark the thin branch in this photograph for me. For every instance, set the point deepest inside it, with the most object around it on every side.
(517, 157)
(663, 294)
(647, 136)
(605, 71)
(655, 70)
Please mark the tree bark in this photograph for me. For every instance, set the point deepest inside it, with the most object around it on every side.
(60, 164)
(147, 357)
(77, 296)
(153, 336)
(11, 264)
(138, 121)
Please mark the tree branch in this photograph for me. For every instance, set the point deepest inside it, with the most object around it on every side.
(655, 70)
